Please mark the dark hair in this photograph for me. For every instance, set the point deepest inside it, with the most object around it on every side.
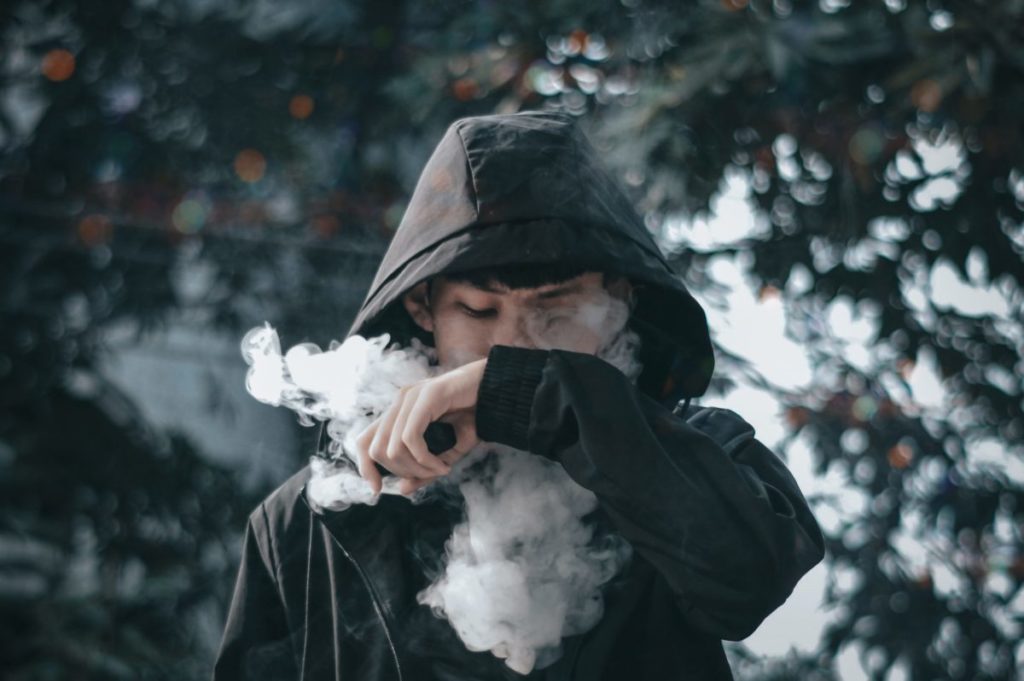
(402, 328)
(518, 275)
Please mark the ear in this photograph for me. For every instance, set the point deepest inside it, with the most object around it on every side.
(418, 306)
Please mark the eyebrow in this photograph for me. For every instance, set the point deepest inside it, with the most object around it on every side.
(560, 291)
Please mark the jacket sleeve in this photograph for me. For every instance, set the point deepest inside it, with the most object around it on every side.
(713, 509)
(256, 642)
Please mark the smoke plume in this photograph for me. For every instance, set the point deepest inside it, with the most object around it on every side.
(524, 568)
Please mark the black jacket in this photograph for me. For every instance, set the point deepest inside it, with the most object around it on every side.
(720, 530)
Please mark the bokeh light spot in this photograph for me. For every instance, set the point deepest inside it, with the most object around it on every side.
(577, 41)
(465, 89)
(866, 145)
(250, 165)
(900, 456)
(190, 215)
(864, 407)
(94, 229)
(301, 106)
(58, 65)
(324, 226)
(393, 215)
(926, 95)
(797, 417)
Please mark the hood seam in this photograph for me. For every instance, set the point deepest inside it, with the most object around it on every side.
(405, 263)
(472, 173)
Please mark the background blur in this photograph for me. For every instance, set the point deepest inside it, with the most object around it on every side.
(842, 184)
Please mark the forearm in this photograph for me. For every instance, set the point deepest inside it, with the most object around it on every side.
(712, 508)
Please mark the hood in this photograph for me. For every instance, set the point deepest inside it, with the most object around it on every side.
(527, 188)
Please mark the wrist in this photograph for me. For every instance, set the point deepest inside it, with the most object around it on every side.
(509, 381)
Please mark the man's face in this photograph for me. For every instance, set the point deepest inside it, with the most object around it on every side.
(579, 314)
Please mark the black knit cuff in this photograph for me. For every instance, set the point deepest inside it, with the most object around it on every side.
(505, 400)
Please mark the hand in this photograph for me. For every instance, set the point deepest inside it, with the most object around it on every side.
(395, 439)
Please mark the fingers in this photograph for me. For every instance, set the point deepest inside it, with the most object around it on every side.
(465, 440)
(378, 445)
(396, 439)
(409, 485)
(388, 451)
(465, 436)
(385, 442)
(367, 469)
(419, 415)
(398, 452)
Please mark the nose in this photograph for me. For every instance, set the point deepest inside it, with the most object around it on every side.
(512, 331)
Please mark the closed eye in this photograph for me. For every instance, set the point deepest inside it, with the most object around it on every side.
(560, 319)
(489, 312)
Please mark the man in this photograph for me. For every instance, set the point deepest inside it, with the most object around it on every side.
(512, 215)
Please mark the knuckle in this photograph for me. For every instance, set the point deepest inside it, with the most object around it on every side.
(410, 440)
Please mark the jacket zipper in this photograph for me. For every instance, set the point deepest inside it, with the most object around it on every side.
(374, 596)
(375, 599)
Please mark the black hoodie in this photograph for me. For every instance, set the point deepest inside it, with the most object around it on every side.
(720, 530)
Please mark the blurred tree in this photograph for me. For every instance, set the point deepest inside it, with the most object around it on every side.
(272, 147)
(881, 142)
(123, 175)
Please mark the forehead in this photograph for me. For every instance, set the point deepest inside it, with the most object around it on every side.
(586, 282)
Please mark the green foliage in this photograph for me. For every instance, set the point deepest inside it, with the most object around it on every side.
(273, 148)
